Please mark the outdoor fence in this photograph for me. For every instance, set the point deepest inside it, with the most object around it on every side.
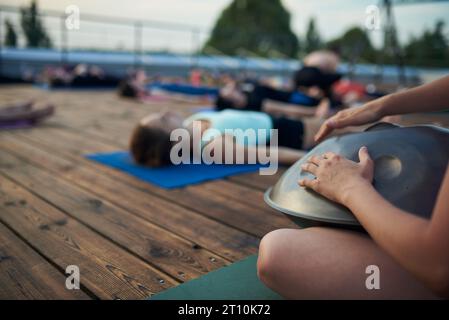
(100, 33)
(140, 39)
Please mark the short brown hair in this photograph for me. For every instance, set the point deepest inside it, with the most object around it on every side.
(150, 146)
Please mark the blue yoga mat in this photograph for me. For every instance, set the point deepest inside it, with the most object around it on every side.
(185, 89)
(174, 176)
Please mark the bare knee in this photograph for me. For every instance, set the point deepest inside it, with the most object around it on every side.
(275, 253)
(270, 253)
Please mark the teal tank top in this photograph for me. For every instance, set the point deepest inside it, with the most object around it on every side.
(232, 120)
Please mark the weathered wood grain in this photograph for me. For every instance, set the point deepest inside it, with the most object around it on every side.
(27, 275)
(168, 252)
(107, 271)
(205, 232)
(238, 211)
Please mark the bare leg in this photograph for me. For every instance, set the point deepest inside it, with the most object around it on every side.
(325, 263)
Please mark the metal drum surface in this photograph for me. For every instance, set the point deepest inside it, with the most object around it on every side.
(410, 163)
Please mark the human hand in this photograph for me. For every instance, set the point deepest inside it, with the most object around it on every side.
(368, 113)
(337, 177)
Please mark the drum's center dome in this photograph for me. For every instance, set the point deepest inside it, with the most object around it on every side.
(387, 168)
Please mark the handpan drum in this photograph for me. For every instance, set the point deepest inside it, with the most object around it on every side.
(409, 166)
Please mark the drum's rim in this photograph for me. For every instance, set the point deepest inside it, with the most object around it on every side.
(341, 222)
(275, 206)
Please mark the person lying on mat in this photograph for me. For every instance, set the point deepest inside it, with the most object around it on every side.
(79, 76)
(308, 88)
(327, 60)
(312, 94)
(134, 86)
(411, 253)
(25, 113)
(150, 141)
(347, 91)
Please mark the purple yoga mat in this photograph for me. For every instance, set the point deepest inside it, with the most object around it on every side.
(16, 124)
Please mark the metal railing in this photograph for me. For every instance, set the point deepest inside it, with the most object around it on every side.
(104, 33)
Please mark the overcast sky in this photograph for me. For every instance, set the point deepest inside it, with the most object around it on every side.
(333, 17)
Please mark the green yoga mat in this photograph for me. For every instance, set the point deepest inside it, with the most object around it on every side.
(237, 281)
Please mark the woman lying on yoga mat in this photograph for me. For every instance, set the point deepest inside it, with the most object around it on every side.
(150, 142)
(312, 95)
(412, 253)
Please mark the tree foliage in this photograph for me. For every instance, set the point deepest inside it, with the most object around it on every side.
(254, 27)
(33, 28)
(355, 46)
(430, 49)
(313, 39)
(11, 35)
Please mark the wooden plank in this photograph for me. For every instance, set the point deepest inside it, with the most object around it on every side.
(256, 181)
(107, 271)
(207, 233)
(77, 112)
(176, 256)
(24, 274)
(243, 214)
(237, 193)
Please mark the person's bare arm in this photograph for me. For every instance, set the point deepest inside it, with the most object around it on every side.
(419, 245)
(285, 156)
(288, 156)
(430, 97)
(287, 109)
(426, 98)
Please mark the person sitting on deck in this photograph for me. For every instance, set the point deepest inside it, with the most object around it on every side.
(411, 253)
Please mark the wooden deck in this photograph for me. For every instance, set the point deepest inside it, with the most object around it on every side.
(130, 239)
